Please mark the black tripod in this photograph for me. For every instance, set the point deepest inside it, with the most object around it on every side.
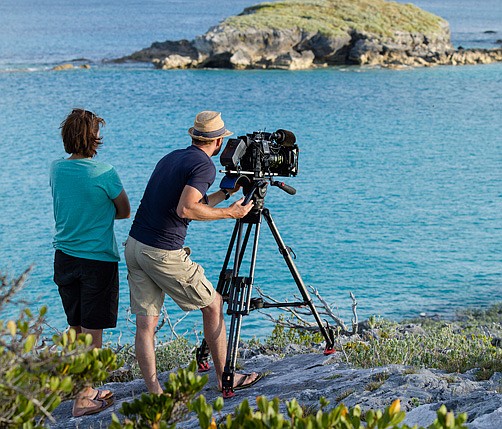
(236, 290)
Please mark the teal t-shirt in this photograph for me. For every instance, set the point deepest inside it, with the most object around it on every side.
(82, 192)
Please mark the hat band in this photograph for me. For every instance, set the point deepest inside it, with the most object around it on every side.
(211, 134)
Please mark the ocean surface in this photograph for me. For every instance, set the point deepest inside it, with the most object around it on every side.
(399, 196)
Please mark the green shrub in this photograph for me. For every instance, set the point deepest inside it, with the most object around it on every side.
(268, 415)
(164, 410)
(442, 348)
(35, 378)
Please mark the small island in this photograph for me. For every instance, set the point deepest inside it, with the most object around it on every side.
(304, 34)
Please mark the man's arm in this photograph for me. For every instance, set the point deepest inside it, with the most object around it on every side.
(122, 206)
(217, 197)
(190, 207)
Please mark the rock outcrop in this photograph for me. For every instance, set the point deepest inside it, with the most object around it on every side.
(295, 35)
(307, 377)
(69, 66)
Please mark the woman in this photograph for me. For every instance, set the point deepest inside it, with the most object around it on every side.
(87, 196)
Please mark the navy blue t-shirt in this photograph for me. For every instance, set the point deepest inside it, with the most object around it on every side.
(156, 222)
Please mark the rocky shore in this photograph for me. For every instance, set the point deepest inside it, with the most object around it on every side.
(296, 35)
(308, 376)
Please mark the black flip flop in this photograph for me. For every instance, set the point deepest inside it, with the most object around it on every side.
(241, 385)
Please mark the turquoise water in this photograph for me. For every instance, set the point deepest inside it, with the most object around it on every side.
(400, 186)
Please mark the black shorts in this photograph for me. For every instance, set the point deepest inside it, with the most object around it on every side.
(89, 290)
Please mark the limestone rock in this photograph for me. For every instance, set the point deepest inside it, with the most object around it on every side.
(60, 67)
(293, 61)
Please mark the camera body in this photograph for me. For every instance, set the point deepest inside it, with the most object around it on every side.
(260, 154)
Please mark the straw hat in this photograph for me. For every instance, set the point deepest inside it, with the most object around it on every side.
(208, 126)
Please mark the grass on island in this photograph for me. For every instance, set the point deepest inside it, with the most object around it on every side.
(338, 17)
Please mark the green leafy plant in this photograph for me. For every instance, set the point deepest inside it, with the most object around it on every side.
(164, 410)
(268, 415)
(35, 376)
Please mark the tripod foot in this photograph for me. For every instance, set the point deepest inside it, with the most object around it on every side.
(228, 393)
(329, 351)
(203, 367)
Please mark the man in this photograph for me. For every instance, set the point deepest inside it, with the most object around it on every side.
(158, 263)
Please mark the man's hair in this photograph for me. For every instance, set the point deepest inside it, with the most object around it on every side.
(203, 142)
(80, 132)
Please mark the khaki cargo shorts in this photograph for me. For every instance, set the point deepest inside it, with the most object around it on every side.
(153, 272)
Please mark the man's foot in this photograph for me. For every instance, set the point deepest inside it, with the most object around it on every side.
(247, 380)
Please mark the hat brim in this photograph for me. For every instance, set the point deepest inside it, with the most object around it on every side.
(226, 133)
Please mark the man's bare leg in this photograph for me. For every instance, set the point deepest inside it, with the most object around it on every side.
(215, 335)
(145, 351)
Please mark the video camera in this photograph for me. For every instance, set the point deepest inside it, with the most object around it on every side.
(261, 155)
(252, 158)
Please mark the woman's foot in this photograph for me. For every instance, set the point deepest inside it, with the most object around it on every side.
(84, 406)
(96, 394)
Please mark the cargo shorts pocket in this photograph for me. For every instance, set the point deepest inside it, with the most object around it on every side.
(198, 289)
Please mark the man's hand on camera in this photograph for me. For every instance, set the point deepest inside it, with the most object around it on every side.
(238, 211)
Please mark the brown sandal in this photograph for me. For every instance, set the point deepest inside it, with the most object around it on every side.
(87, 411)
(102, 394)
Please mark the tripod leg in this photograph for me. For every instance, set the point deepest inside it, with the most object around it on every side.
(202, 352)
(226, 287)
(238, 306)
(326, 331)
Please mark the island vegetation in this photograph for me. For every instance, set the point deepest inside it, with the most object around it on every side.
(338, 17)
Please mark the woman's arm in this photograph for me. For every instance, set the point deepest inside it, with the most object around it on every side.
(122, 206)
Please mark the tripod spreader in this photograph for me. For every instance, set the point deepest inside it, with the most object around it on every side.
(236, 291)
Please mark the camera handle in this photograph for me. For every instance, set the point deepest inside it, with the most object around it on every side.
(281, 185)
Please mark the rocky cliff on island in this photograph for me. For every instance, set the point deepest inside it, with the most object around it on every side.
(303, 34)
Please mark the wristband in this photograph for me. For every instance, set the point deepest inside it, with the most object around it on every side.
(227, 194)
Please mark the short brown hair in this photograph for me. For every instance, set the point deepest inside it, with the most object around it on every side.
(197, 142)
(80, 132)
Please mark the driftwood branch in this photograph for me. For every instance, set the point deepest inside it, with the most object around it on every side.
(299, 322)
(328, 310)
(8, 288)
(354, 319)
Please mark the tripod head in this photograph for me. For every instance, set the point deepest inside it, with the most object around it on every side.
(254, 189)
